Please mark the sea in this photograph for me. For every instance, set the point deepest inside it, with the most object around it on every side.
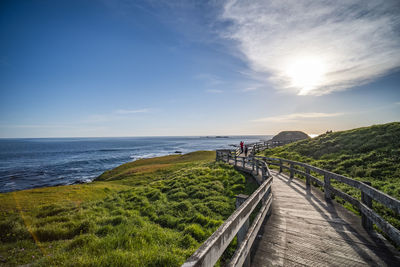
(42, 162)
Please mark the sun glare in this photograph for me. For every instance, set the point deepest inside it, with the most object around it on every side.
(305, 73)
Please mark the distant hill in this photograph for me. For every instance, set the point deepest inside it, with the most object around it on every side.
(368, 153)
(290, 136)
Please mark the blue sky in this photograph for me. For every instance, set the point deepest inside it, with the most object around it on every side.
(138, 68)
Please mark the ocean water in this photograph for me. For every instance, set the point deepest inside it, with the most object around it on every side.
(30, 163)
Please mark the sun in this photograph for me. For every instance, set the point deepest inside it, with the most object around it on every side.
(305, 73)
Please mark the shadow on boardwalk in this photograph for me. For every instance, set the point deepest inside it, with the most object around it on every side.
(304, 229)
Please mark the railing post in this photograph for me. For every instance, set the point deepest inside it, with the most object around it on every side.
(367, 200)
(240, 199)
(280, 166)
(308, 184)
(244, 164)
(327, 185)
(291, 171)
(228, 156)
(235, 159)
(256, 167)
(252, 164)
(264, 177)
(263, 172)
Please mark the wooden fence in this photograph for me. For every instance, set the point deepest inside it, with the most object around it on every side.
(238, 223)
(368, 193)
(255, 147)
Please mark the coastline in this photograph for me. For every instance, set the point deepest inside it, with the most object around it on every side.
(168, 205)
(37, 163)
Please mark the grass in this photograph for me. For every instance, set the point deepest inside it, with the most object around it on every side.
(151, 212)
(366, 154)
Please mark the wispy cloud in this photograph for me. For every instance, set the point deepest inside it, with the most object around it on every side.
(210, 79)
(316, 47)
(214, 91)
(132, 111)
(297, 117)
(249, 89)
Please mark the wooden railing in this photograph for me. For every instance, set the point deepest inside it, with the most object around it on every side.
(368, 193)
(238, 223)
(259, 146)
(254, 147)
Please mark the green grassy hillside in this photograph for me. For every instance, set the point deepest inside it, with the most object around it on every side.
(152, 212)
(366, 154)
(370, 153)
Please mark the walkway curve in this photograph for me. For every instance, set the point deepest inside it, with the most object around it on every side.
(305, 230)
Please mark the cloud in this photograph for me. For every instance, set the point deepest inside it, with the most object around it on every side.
(316, 47)
(297, 117)
(214, 91)
(132, 111)
(249, 89)
(210, 79)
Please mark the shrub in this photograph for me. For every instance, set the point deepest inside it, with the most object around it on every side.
(195, 231)
(182, 206)
(200, 219)
(81, 241)
(168, 221)
(178, 196)
(187, 241)
(83, 227)
(104, 230)
(50, 210)
(13, 229)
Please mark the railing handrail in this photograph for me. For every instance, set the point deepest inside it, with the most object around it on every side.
(368, 193)
(255, 146)
(212, 249)
(374, 193)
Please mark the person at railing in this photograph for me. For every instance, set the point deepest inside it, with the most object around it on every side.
(246, 149)
(241, 146)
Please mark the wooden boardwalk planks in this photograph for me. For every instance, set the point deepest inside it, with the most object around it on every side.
(304, 230)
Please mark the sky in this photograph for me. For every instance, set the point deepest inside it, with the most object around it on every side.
(97, 68)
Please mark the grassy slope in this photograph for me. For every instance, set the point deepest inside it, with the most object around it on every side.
(366, 154)
(152, 212)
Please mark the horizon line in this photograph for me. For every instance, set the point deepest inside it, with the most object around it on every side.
(138, 136)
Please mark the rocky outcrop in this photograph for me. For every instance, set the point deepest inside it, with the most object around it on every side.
(290, 136)
(287, 137)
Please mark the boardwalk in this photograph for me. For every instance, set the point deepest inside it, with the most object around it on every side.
(303, 229)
